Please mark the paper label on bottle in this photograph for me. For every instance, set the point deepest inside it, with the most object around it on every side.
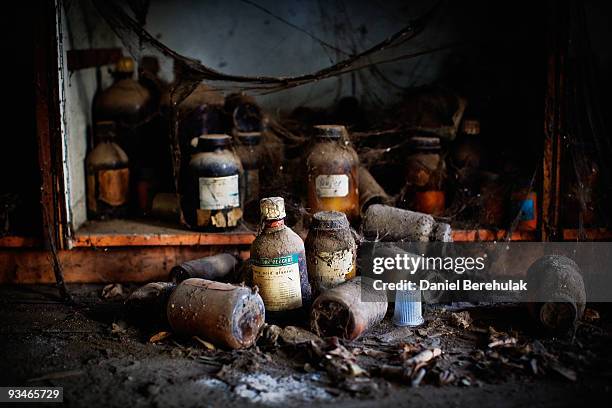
(278, 280)
(333, 268)
(217, 193)
(113, 186)
(332, 185)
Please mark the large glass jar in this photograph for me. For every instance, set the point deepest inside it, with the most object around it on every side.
(214, 190)
(108, 175)
(332, 166)
(425, 176)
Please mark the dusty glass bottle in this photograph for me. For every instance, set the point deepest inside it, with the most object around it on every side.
(215, 186)
(278, 266)
(249, 150)
(330, 251)
(425, 175)
(108, 175)
(332, 166)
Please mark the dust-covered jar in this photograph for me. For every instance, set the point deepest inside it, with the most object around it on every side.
(330, 251)
(332, 166)
(215, 184)
(425, 176)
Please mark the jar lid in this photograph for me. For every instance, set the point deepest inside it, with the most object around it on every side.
(425, 143)
(329, 220)
(207, 142)
(125, 65)
(330, 131)
(249, 138)
(471, 126)
(272, 208)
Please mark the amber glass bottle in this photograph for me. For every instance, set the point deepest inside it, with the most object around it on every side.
(108, 175)
(249, 150)
(332, 166)
(215, 185)
(425, 175)
(278, 266)
(330, 250)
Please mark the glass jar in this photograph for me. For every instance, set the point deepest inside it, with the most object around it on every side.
(278, 266)
(332, 166)
(425, 176)
(214, 190)
(250, 151)
(108, 175)
(330, 251)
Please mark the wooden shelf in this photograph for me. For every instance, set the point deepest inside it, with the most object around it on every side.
(591, 234)
(125, 233)
(14, 241)
(476, 235)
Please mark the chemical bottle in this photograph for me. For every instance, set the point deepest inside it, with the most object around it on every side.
(330, 251)
(215, 187)
(278, 266)
(249, 150)
(108, 175)
(333, 172)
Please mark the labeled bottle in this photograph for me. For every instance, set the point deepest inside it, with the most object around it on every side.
(425, 176)
(127, 103)
(330, 251)
(249, 150)
(333, 172)
(278, 265)
(108, 175)
(215, 186)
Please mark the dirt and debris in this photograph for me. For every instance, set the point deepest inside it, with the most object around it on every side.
(96, 353)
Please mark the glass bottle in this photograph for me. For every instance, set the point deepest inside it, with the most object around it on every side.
(249, 150)
(214, 188)
(330, 251)
(278, 266)
(425, 175)
(332, 166)
(108, 175)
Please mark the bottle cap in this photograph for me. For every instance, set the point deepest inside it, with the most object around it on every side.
(272, 208)
(425, 143)
(408, 308)
(330, 131)
(125, 65)
(329, 220)
(210, 142)
(471, 126)
(248, 138)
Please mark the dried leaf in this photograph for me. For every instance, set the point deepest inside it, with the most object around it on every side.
(112, 290)
(590, 315)
(206, 344)
(462, 319)
(156, 338)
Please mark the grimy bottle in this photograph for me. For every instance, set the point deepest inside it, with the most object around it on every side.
(215, 183)
(108, 175)
(333, 172)
(278, 265)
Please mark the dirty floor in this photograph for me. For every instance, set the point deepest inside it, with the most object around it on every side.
(491, 356)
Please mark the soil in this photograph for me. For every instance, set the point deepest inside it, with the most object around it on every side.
(103, 358)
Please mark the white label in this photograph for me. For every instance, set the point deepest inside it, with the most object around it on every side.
(217, 193)
(278, 280)
(332, 185)
(333, 268)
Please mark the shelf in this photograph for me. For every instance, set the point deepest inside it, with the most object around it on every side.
(477, 235)
(15, 241)
(591, 234)
(124, 233)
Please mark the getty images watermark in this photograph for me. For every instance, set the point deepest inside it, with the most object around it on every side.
(488, 272)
